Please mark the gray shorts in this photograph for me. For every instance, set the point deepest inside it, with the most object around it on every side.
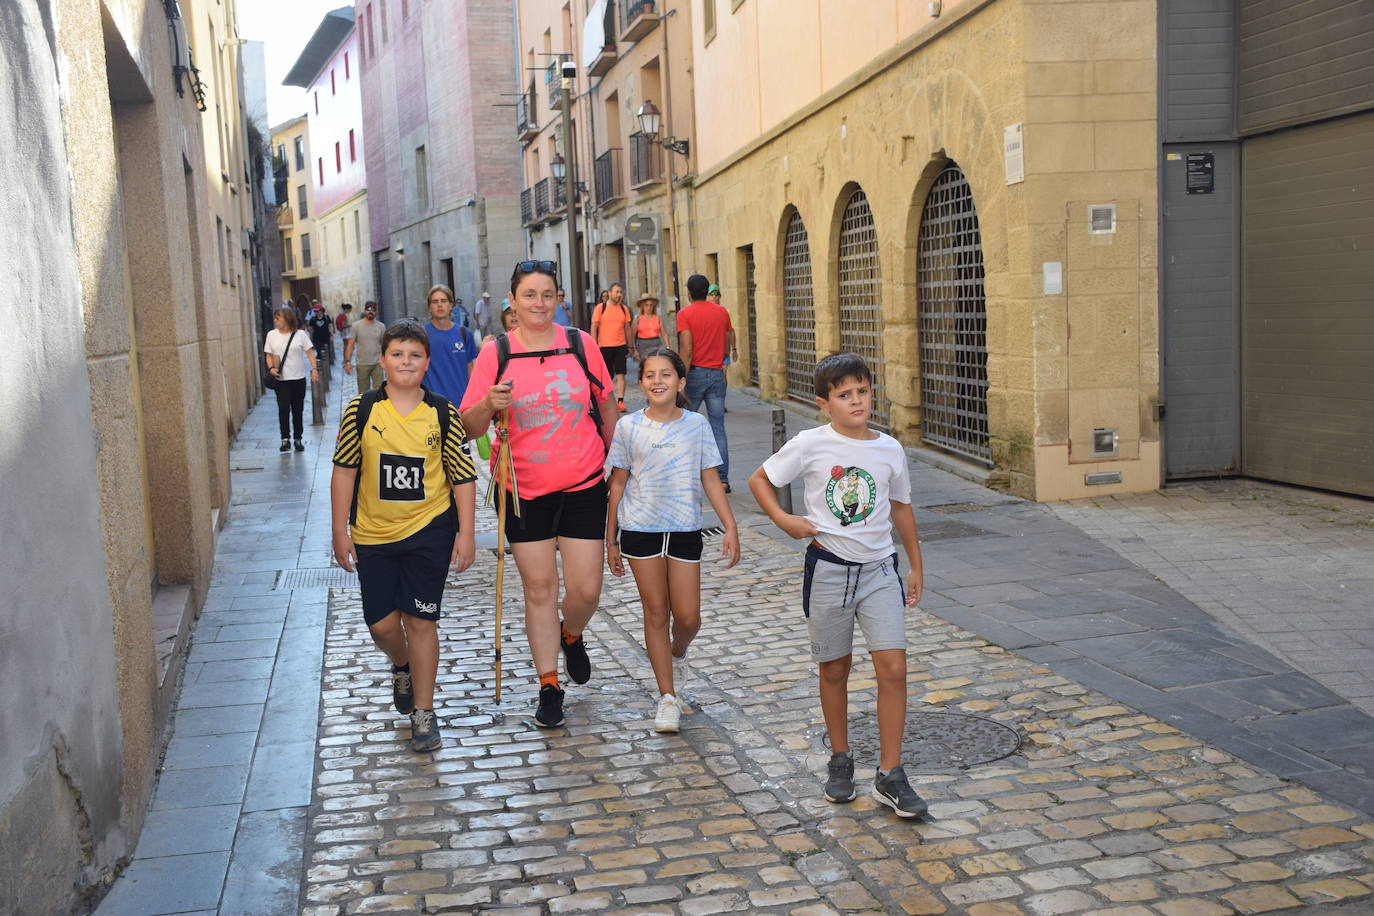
(836, 592)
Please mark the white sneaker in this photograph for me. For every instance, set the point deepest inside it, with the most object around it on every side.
(667, 717)
(682, 673)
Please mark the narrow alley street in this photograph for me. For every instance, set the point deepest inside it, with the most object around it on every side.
(1122, 751)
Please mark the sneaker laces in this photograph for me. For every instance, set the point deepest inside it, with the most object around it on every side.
(840, 765)
(421, 720)
(401, 680)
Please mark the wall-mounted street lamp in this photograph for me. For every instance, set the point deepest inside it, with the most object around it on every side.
(559, 167)
(650, 120)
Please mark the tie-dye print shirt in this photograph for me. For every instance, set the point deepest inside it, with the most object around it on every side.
(665, 461)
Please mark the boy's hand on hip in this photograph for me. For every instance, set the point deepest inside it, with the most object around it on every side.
(798, 527)
(344, 553)
(915, 585)
(464, 551)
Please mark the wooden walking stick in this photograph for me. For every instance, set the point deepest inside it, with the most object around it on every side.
(502, 463)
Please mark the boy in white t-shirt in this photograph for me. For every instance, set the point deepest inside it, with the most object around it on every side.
(857, 490)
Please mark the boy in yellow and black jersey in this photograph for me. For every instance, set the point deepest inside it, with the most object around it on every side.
(403, 497)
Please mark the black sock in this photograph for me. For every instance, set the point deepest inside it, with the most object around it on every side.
(405, 667)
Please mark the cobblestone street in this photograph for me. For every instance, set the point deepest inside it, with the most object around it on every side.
(1102, 810)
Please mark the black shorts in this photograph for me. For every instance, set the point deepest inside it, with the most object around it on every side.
(407, 575)
(648, 545)
(564, 514)
(615, 358)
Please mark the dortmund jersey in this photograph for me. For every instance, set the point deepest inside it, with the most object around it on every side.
(404, 471)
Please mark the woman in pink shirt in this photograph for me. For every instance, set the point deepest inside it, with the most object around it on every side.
(561, 419)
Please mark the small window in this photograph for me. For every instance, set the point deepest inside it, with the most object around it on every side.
(708, 20)
(305, 250)
(319, 161)
(352, 147)
(421, 178)
(338, 158)
(289, 250)
(357, 233)
(229, 248)
(223, 257)
(300, 153)
(371, 34)
(317, 102)
(333, 86)
(405, 10)
(281, 152)
(301, 202)
(346, 70)
(381, 13)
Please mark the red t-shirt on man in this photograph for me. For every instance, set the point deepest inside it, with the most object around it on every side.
(709, 324)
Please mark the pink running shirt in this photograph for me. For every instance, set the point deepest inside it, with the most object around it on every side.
(553, 438)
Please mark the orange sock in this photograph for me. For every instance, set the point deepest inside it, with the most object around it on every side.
(549, 677)
(568, 638)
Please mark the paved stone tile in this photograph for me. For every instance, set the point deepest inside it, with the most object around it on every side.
(172, 884)
(209, 751)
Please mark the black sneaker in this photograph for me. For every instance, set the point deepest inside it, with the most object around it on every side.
(894, 791)
(300, 446)
(285, 445)
(575, 655)
(550, 712)
(424, 730)
(402, 694)
(839, 785)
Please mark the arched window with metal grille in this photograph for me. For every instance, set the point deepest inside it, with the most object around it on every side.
(953, 320)
(798, 312)
(861, 305)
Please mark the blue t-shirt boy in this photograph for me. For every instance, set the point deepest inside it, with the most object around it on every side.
(451, 353)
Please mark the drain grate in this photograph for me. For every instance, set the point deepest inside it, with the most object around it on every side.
(956, 508)
(934, 740)
(329, 577)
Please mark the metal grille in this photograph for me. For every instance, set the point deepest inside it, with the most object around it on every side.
(798, 313)
(861, 307)
(606, 175)
(953, 320)
(645, 164)
(750, 299)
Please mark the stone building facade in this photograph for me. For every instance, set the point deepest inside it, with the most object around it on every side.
(965, 192)
(120, 396)
(442, 168)
(291, 168)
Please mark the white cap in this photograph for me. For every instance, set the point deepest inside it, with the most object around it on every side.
(486, 295)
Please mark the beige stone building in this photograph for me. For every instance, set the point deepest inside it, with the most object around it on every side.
(626, 53)
(965, 193)
(120, 396)
(300, 275)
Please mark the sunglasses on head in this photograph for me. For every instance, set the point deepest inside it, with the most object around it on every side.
(529, 267)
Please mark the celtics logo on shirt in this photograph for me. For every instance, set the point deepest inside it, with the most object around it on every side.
(851, 494)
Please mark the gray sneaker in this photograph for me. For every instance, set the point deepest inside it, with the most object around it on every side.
(894, 791)
(424, 731)
(839, 784)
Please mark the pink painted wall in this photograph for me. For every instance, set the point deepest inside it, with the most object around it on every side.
(337, 92)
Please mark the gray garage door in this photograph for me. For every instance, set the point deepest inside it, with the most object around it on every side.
(1201, 313)
(1308, 306)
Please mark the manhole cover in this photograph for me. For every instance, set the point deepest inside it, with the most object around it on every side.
(934, 740)
(331, 577)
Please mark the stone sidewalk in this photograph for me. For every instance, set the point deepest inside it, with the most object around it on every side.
(1288, 568)
(1103, 809)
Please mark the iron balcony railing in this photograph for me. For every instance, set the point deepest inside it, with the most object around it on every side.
(606, 177)
(553, 81)
(645, 164)
(524, 116)
(526, 207)
(637, 18)
(542, 197)
(560, 195)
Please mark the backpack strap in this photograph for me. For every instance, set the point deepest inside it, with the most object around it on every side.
(574, 348)
(366, 401)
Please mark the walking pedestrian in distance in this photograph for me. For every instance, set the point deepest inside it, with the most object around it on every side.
(713, 296)
(611, 328)
(550, 379)
(452, 348)
(343, 323)
(367, 346)
(661, 458)
(857, 489)
(287, 350)
(562, 313)
(461, 315)
(647, 329)
(705, 337)
(486, 317)
(402, 506)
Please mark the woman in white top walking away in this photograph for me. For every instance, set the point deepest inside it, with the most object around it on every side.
(660, 459)
(287, 350)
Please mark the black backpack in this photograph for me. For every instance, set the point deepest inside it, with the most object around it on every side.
(574, 348)
(367, 400)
